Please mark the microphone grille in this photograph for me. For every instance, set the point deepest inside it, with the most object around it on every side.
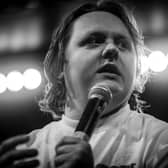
(101, 91)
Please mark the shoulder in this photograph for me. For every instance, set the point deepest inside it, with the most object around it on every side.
(150, 124)
(157, 131)
(154, 133)
(154, 125)
(148, 127)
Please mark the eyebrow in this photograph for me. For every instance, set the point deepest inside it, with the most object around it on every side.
(123, 37)
(104, 33)
(93, 33)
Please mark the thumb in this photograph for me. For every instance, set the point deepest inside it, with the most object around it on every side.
(81, 135)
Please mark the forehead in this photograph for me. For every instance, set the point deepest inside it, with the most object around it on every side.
(99, 21)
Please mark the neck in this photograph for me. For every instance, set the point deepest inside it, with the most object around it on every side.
(114, 111)
(74, 108)
(72, 113)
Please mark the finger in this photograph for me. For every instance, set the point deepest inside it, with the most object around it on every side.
(68, 140)
(26, 153)
(11, 156)
(81, 135)
(12, 142)
(64, 149)
(27, 164)
(61, 159)
(66, 165)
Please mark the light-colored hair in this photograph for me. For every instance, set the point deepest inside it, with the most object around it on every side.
(55, 92)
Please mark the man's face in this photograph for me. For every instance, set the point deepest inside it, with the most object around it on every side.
(95, 37)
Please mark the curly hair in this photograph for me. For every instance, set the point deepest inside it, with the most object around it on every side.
(55, 91)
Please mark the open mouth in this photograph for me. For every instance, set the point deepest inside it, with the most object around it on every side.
(109, 68)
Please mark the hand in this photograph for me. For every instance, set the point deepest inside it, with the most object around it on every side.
(10, 157)
(73, 152)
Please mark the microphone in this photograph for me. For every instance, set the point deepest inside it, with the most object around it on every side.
(98, 98)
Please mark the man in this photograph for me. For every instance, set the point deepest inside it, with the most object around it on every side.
(96, 45)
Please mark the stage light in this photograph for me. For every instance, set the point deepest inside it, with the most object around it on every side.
(3, 83)
(157, 61)
(14, 81)
(32, 78)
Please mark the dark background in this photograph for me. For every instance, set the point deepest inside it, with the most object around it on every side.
(26, 26)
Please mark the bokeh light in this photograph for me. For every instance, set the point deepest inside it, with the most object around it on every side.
(157, 61)
(32, 78)
(14, 81)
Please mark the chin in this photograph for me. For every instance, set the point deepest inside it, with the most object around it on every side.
(118, 101)
(114, 85)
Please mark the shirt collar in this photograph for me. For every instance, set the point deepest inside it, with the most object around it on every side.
(69, 121)
(114, 119)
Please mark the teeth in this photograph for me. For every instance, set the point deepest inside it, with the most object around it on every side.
(106, 62)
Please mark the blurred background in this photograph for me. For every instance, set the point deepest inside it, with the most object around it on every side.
(26, 27)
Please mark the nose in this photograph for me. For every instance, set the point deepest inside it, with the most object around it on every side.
(110, 52)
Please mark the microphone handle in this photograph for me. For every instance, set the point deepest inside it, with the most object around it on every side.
(90, 115)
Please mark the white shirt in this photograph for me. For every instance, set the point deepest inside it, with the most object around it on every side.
(126, 138)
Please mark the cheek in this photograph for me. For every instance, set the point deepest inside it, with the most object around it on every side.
(132, 68)
(79, 72)
(82, 64)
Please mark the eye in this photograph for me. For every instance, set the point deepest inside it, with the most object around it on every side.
(93, 40)
(123, 44)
